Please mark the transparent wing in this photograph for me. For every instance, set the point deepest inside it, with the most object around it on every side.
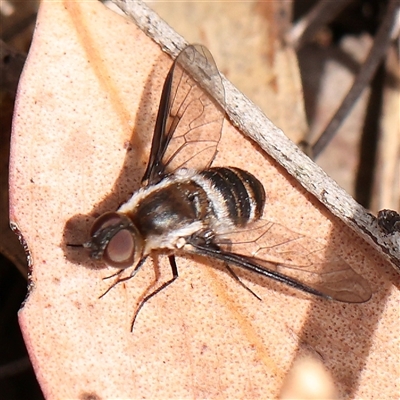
(276, 252)
(189, 122)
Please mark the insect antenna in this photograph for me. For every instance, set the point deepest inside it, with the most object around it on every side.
(75, 245)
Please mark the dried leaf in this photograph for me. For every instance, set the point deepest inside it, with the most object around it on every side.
(86, 108)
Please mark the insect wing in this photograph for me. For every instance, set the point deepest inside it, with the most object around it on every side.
(189, 121)
(272, 250)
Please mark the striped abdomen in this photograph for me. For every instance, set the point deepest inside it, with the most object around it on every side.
(233, 193)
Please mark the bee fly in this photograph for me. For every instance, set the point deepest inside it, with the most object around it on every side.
(187, 206)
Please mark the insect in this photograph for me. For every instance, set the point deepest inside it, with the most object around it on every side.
(187, 206)
(389, 221)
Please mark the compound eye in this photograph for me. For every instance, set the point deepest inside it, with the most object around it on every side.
(118, 236)
(120, 251)
(107, 219)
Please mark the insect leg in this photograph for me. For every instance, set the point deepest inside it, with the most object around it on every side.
(175, 275)
(228, 244)
(237, 279)
(112, 276)
(130, 276)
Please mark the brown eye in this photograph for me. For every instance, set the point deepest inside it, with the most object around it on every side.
(120, 251)
(115, 240)
(104, 220)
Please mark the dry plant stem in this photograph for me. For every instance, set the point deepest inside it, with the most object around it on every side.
(367, 71)
(321, 14)
(253, 123)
